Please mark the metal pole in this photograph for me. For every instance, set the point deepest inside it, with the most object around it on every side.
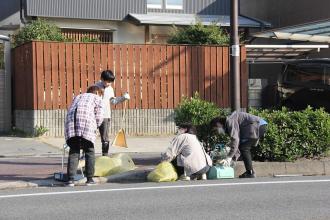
(234, 58)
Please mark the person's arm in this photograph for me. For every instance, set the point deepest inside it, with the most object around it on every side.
(233, 131)
(98, 112)
(117, 100)
(173, 150)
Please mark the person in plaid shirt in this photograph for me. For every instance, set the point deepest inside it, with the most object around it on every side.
(84, 117)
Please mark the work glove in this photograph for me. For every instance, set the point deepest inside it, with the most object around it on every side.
(126, 96)
(226, 162)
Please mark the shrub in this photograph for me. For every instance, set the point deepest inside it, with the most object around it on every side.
(199, 112)
(38, 29)
(199, 34)
(293, 135)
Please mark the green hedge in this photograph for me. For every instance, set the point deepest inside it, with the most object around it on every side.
(199, 112)
(293, 135)
(290, 135)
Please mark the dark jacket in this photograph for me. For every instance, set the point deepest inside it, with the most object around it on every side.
(241, 126)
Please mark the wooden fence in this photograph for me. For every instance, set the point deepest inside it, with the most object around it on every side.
(47, 75)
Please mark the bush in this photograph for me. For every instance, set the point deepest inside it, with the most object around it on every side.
(293, 135)
(38, 29)
(199, 112)
(199, 34)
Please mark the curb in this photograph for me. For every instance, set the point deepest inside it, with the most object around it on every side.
(263, 169)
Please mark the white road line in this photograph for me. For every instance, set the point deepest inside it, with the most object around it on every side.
(163, 187)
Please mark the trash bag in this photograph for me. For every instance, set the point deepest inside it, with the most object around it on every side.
(117, 163)
(164, 172)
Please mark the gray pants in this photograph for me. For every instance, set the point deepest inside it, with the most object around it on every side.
(104, 132)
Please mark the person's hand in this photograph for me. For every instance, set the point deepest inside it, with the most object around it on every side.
(226, 162)
(126, 96)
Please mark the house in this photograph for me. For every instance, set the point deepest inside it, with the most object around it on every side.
(128, 21)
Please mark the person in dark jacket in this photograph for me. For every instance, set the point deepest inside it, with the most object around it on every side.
(244, 130)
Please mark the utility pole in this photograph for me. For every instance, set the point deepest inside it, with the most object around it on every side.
(234, 57)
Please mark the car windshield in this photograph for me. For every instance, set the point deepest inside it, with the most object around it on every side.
(308, 74)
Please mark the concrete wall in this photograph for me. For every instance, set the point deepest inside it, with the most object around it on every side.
(137, 121)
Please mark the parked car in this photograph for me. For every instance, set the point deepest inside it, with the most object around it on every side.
(305, 82)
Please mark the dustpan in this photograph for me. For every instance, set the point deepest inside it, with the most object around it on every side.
(120, 139)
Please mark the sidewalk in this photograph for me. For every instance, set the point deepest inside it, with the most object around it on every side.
(28, 162)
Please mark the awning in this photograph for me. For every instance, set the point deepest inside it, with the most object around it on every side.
(279, 53)
(188, 19)
(314, 32)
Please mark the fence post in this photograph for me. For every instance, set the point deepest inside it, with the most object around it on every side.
(7, 98)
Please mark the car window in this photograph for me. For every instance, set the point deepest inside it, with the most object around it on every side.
(327, 76)
(305, 74)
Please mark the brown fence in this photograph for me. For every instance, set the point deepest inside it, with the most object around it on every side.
(47, 75)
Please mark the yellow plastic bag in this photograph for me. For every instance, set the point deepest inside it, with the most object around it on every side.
(117, 163)
(164, 172)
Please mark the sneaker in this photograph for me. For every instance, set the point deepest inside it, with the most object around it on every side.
(184, 178)
(248, 174)
(204, 177)
(70, 183)
(90, 182)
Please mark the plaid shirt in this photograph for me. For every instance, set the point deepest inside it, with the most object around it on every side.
(89, 116)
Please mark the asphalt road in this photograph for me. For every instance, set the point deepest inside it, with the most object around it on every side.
(262, 198)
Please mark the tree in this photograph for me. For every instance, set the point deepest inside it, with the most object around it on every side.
(199, 34)
(38, 29)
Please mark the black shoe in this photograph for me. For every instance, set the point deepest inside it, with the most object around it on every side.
(90, 182)
(248, 174)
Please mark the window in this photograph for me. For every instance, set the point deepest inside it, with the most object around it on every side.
(155, 4)
(174, 4)
(306, 74)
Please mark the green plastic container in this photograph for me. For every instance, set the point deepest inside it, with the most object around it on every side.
(221, 172)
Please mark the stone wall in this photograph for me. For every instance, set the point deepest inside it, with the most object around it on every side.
(136, 121)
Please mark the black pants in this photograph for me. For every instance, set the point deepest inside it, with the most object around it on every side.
(245, 148)
(104, 132)
(75, 144)
(180, 170)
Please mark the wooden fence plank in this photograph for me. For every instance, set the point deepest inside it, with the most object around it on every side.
(34, 75)
(138, 73)
(97, 62)
(182, 72)
(117, 83)
(144, 86)
(220, 94)
(188, 71)
(170, 77)
(104, 57)
(69, 73)
(157, 71)
(76, 69)
(151, 78)
(226, 85)
(201, 71)
(40, 74)
(83, 67)
(124, 57)
(176, 73)
(62, 77)
(163, 78)
(131, 66)
(110, 61)
(55, 69)
(207, 75)
(90, 64)
(213, 75)
(48, 76)
(195, 73)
